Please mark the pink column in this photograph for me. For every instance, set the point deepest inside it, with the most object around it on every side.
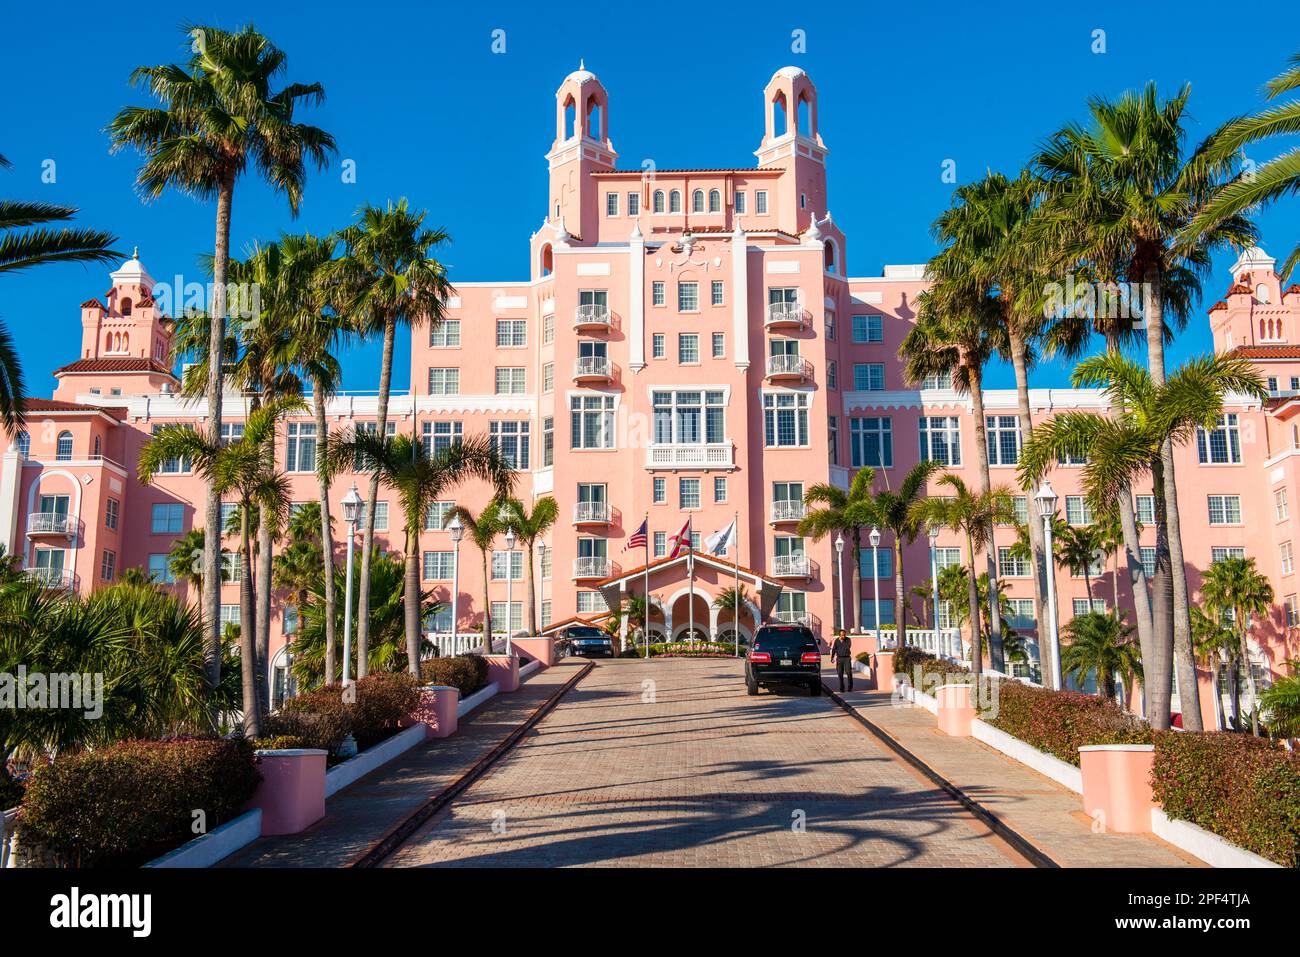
(955, 711)
(1117, 785)
(292, 792)
(539, 649)
(436, 711)
(882, 670)
(504, 670)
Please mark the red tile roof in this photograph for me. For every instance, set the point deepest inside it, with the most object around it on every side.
(679, 172)
(116, 364)
(1268, 352)
(55, 405)
(1218, 305)
(92, 304)
(1238, 289)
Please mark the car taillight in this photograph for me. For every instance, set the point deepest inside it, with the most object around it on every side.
(760, 656)
(810, 657)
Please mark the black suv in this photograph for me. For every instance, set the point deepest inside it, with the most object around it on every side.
(784, 654)
(588, 640)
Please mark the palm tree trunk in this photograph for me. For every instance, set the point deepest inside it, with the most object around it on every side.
(1214, 685)
(265, 546)
(1234, 692)
(411, 596)
(976, 639)
(996, 655)
(247, 641)
(1158, 669)
(326, 533)
(851, 622)
(1043, 563)
(372, 499)
(532, 594)
(900, 591)
(487, 606)
(1250, 675)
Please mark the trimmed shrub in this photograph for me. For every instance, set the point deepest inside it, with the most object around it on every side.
(1244, 789)
(130, 802)
(320, 719)
(383, 700)
(863, 657)
(468, 673)
(283, 742)
(913, 663)
(1060, 722)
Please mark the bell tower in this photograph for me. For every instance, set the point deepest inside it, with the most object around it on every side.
(130, 323)
(581, 147)
(791, 141)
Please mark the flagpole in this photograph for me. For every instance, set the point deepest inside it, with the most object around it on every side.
(690, 573)
(735, 613)
(645, 627)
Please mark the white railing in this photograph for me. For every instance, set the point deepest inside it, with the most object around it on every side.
(591, 314)
(591, 566)
(591, 511)
(54, 578)
(715, 455)
(781, 313)
(795, 618)
(464, 643)
(589, 366)
(792, 365)
(51, 523)
(788, 511)
(946, 643)
(7, 837)
(791, 566)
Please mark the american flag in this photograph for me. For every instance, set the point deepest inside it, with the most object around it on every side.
(681, 541)
(638, 538)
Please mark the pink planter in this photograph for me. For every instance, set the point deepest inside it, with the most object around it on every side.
(1117, 785)
(882, 671)
(955, 711)
(292, 792)
(504, 670)
(436, 711)
(539, 649)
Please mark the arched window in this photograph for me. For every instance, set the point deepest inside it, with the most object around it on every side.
(830, 255)
(697, 201)
(126, 342)
(715, 201)
(63, 448)
(780, 121)
(24, 444)
(659, 201)
(570, 119)
(675, 202)
(805, 116)
(126, 307)
(1261, 293)
(595, 119)
(547, 260)
(108, 342)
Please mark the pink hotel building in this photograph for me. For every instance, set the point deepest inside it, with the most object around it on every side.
(688, 343)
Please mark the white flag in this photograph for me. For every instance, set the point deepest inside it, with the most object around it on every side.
(719, 542)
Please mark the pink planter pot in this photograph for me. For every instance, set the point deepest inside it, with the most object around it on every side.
(882, 671)
(955, 711)
(1117, 785)
(504, 670)
(292, 792)
(436, 711)
(539, 649)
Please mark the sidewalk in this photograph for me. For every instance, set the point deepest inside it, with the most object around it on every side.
(361, 814)
(1045, 814)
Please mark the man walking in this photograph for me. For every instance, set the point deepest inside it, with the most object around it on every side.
(842, 658)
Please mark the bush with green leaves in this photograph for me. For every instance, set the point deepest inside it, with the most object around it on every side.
(467, 673)
(383, 701)
(1061, 722)
(923, 670)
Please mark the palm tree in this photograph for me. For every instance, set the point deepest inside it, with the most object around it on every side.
(1077, 547)
(386, 277)
(973, 514)
(237, 467)
(841, 513)
(1217, 647)
(185, 561)
(1234, 588)
(529, 528)
(734, 600)
(1276, 179)
(218, 114)
(1126, 177)
(482, 530)
(1129, 445)
(1100, 644)
(1281, 703)
(22, 250)
(299, 566)
(897, 512)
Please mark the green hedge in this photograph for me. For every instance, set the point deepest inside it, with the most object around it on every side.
(128, 803)
(908, 660)
(1060, 722)
(1244, 789)
(468, 673)
(322, 719)
(689, 649)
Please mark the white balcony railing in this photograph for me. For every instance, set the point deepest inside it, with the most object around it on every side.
(54, 578)
(718, 455)
(591, 314)
(945, 643)
(788, 511)
(591, 566)
(791, 566)
(798, 618)
(51, 523)
(595, 512)
(591, 367)
(789, 365)
(786, 314)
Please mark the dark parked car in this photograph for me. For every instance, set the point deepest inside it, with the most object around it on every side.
(587, 640)
(784, 654)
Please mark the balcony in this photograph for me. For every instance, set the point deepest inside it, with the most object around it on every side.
(798, 618)
(788, 367)
(54, 578)
(718, 455)
(592, 368)
(788, 511)
(51, 523)
(592, 566)
(786, 315)
(592, 316)
(591, 513)
(791, 566)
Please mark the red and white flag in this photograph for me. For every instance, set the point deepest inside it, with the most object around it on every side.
(681, 541)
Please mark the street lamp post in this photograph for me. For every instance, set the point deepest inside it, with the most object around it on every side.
(541, 584)
(934, 581)
(510, 580)
(874, 538)
(839, 574)
(457, 531)
(351, 510)
(1046, 499)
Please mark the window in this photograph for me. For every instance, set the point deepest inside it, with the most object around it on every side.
(229, 615)
(510, 380)
(1004, 439)
(444, 382)
(436, 515)
(941, 439)
(546, 613)
(697, 201)
(1225, 509)
(658, 293)
(1219, 553)
(739, 202)
(947, 557)
(1292, 611)
(688, 348)
(1081, 606)
(785, 419)
(381, 515)
(512, 333)
(1222, 445)
(1287, 559)
(937, 380)
(658, 348)
(832, 374)
(719, 345)
(1096, 567)
(719, 489)
(884, 562)
(515, 559)
(715, 292)
(515, 622)
(871, 441)
(868, 328)
(232, 567)
(688, 491)
(657, 203)
(231, 432)
(228, 512)
(107, 565)
(715, 201)
(445, 335)
(634, 204)
(688, 297)
(437, 566)
(591, 421)
(661, 544)
(1020, 613)
(172, 466)
(548, 441)
(548, 328)
(111, 508)
(24, 444)
(867, 613)
(1146, 509)
(1281, 511)
(833, 439)
(548, 377)
(590, 602)
(439, 436)
(510, 439)
(611, 204)
(1077, 511)
(688, 417)
(868, 377)
(1012, 566)
(1148, 556)
(167, 519)
(660, 491)
(63, 447)
(300, 450)
(547, 557)
(760, 202)
(1069, 458)
(160, 569)
(675, 201)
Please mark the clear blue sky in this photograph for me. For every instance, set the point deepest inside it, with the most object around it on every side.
(419, 100)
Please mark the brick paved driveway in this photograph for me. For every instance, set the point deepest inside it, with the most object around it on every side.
(670, 763)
